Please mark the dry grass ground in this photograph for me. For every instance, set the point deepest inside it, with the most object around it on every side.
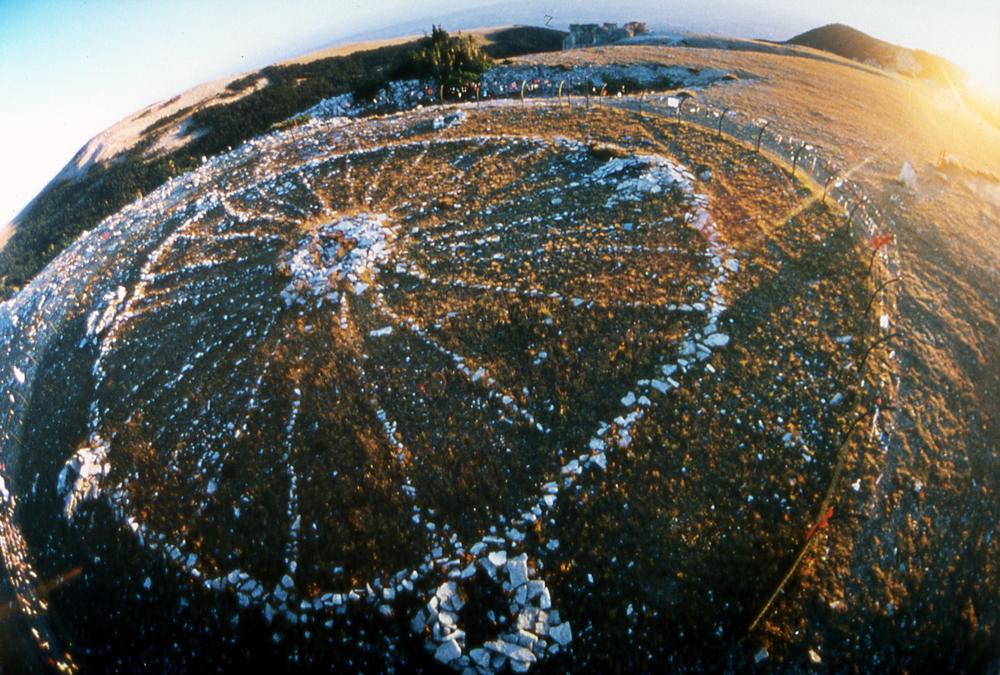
(919, 586)
(525, 301)
(659, 559)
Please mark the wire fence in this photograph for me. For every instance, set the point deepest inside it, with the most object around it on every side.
(865, 221)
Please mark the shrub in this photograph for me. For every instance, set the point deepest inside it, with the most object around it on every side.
(455, 62)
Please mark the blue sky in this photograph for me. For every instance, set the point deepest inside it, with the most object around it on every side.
(71, 68)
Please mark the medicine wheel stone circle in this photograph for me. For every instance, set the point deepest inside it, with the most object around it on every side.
(405, 341)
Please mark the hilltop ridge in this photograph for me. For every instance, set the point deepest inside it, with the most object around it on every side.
(166, 139)
(854, 44)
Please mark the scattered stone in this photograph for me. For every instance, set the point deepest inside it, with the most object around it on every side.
(660, 386)
(447, 652)
(562, 634)
(511, 650)
(497, 558)
(908, 176)
(418, 622)
(87, 468)
(480, 657)
(447, 619)
(517, 568)
(717, 340)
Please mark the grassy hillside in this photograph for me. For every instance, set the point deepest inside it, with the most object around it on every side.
(66, 209)
(853, 44)
(906, 540)
(521, 40)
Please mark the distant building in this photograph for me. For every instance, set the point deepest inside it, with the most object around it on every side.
(592, 34)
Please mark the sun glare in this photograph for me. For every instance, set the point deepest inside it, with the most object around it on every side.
(985, 79)
(981, 57)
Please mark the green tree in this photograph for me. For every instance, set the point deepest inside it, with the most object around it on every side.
(456, 62)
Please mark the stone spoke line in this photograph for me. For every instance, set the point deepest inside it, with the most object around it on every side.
(411, 269)
(460, 363)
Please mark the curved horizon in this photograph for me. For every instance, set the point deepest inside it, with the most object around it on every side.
(78, 70)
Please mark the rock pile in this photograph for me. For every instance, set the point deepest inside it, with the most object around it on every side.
(534, 628)
(337, 257)
(86, 469)
(449, 120)
(655, 174)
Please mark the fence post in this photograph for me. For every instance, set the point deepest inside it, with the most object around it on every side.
(882, 287)
(523, 84)
(850, 214)
(760, 135)
(441, 94)
(826, 186)
(795, 158)
(725, 111)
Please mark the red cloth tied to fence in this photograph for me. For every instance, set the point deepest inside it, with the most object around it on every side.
(820, 524)
(880, 240)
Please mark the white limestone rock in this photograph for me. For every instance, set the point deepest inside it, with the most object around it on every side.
(517, 569)
(447, 651)
(717, 340)
(562, 634)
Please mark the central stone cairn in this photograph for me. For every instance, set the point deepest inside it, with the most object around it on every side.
(336, 256)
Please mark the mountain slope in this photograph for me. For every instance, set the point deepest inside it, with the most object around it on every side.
(167, 139)
(854, 44)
